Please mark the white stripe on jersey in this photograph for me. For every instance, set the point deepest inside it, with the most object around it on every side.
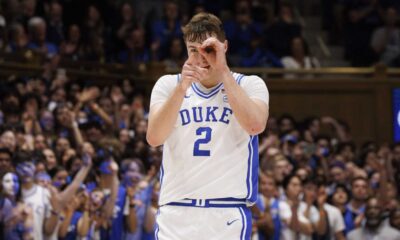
(244, 224)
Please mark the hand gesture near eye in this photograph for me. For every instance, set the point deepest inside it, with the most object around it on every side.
(214, 52)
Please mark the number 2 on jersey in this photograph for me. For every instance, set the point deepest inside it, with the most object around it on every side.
(203, 140)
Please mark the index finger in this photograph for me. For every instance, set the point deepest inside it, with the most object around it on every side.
(210, 44)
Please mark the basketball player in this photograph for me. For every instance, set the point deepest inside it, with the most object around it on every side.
(208, 119)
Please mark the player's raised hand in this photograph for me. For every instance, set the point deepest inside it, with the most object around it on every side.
(192, 73)
(214, 52)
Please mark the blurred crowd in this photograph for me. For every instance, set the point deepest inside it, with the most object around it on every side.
(261, 33)
(368, 29)
(74, 161)
(75, 164)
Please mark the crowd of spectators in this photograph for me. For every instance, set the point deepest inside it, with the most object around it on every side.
(260, 33)
(368, 30)
(75, 164)
(143, 31)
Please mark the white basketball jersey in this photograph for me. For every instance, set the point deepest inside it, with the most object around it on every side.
(209, 155)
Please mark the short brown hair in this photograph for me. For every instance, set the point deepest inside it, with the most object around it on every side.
(201, 26)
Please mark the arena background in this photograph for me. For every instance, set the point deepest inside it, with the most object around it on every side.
(353, 76)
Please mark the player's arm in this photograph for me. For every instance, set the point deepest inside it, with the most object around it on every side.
(163, 115)
(252, 114)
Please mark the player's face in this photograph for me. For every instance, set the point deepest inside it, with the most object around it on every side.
(10, 184)
(194, 57)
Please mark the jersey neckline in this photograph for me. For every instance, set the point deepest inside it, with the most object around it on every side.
(204, 92)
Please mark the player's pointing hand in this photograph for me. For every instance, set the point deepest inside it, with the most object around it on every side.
(192, 73)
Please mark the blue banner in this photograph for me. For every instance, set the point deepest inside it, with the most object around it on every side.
(396, 114)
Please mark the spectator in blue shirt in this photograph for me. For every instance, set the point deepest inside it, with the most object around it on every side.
(164, 30)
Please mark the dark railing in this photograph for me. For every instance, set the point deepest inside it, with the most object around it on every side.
(28, 63)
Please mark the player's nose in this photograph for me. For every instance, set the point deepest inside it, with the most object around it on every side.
(196, 60)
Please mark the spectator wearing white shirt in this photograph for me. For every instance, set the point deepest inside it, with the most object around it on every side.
(300, 58)
(374, 228)
(335, 222)
(298, 222)
(45, 205)
(385, 40)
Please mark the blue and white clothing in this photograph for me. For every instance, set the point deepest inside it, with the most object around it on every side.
(72, 233)
(289, 234)
(144, 196)
(335, 220)
(38, 198)
(275, 214)
(9, 232)
(196, 223)
(209, 171)
(208, 155)
(118, 223)
(350, 216)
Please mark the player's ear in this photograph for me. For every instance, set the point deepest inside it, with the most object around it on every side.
(225, 46)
